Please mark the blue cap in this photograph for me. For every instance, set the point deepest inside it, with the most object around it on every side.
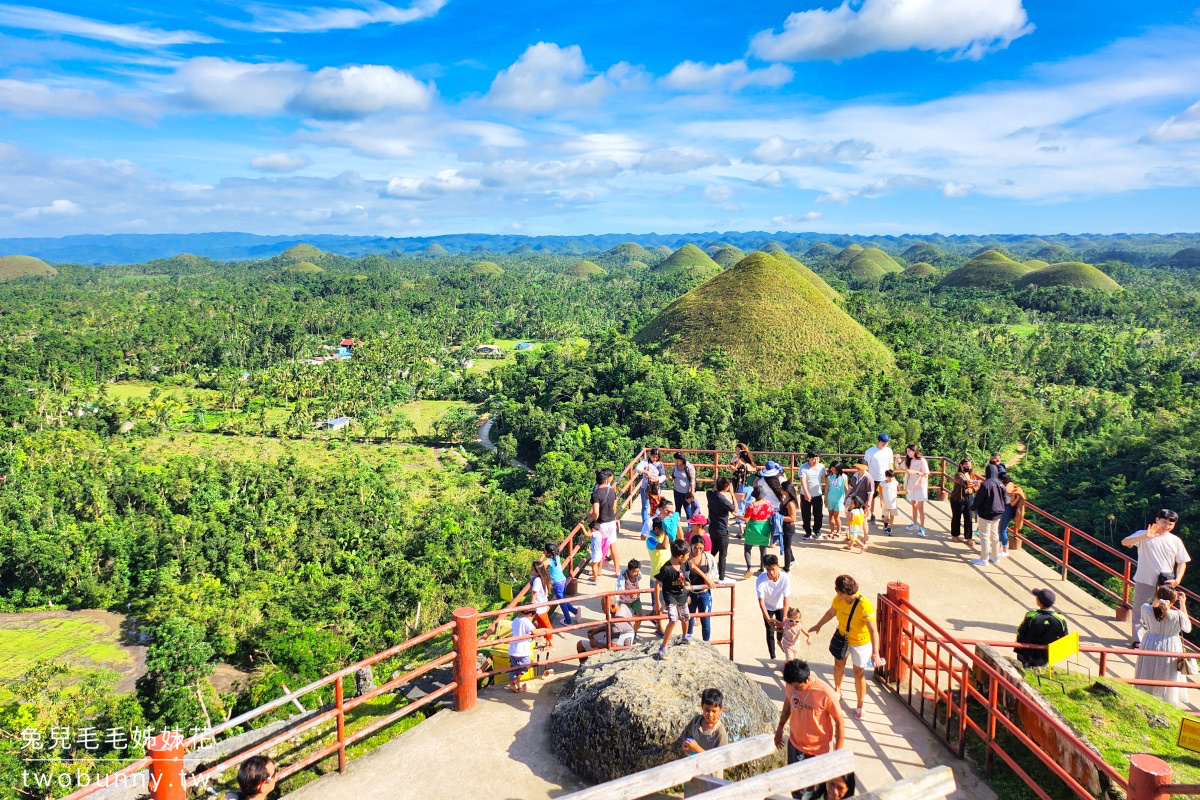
(883, 437)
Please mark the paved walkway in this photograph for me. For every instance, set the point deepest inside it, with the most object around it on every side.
(499, 750)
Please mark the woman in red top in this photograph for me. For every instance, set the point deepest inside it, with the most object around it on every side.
(757, 521)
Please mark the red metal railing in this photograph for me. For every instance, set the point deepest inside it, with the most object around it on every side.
(956, 693)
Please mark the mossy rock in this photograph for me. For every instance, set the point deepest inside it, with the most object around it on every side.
(773, 326)
(486, 269)
(301, 252)
(586, 270)
(1070, 273)
(12, 267)
(304, 268)
(921, 269)
(727, 255)
(689, 260)
(991, 269)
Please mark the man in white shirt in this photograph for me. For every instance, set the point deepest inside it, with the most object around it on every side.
(773, 587)
(880, 459)
(1162, 560)
(812, 477)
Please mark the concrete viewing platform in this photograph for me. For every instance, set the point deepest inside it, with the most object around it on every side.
(500, 749)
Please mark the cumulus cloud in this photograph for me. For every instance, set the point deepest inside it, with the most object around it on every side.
(281, 19)
(772, 178)
(717, 193)
(46, 21)
(970, 28)
(25, 97)
(835, 196)
(58, 208)
(348, 92)
(778, 150)
(953, 191)
(1179, 128)
(547, 77)
(671, 161)
(697, 76)
(443, 182)
(280, 162)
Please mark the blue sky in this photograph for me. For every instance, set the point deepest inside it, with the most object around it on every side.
(447, 116)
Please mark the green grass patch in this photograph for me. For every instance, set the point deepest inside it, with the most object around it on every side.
(85, 643)
(140, 390)
(311, 453)
(423, 413)
(1022, 330)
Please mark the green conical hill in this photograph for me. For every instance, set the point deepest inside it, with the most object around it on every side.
(847, 254)
(732, 313)
(727, 255)
(486, 269)
(24, 267)
(689, 260)
(630, 250)
(662, 251)
(923, 251)
(1187, 258)
(772, 248)
(434, 249)
(521, 250)
(301, 252)
(995, 248)
(808, 274)
(990, 269)
(585, 269)
(304, 268)
(821, 250)
(637, 265)
(1052, 253)
(1070, 273)
(1035, 263)
(921, 269)
(870, 265)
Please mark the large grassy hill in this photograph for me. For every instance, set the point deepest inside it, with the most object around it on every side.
(304, 268)
(586, 269)
(629, 250)
(807, 273)
(301, 252)
(24, 267)
(990, 269)
(869, 265)
(1187, 258)
(764, 321)
(821, 250)
(689, 260)
(847, 254)
(923, 251)
(727, 255)
(1070, 273)
(921, 269)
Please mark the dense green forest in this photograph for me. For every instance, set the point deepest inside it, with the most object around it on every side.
(161, 457)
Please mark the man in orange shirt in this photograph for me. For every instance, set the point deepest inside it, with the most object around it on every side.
(814, 719)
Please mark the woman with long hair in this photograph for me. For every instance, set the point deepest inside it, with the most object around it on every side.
(1163, 623)
(757, 521)
(836, 482)
(789, 507)
(916, 484)
(960, 501)
(539, 592)
(683, 479)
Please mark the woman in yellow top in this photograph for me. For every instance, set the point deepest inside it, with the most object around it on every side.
(861, 633)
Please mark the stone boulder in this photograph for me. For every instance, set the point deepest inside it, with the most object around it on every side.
(623, 712)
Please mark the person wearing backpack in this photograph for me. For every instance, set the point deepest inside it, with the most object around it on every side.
(856, 638)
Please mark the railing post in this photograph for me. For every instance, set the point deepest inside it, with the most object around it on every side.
(339, 700)
(897, 593)
(166, 766)
(608, 623)
(1066, 551)
(466, 646)
(1148, 776)
(1124, 608)
(732, 616)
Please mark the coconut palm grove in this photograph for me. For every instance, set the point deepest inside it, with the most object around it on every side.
(318, 323)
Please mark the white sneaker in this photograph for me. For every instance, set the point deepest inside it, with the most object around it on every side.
(727, 581)
(912, 527)
(995, 560)
(978, 562)
(1004, 554)
(920, 531)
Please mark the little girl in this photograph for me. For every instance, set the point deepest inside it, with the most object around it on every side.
(792, 631)
(858, 521)
(596, 551)
(836, 501)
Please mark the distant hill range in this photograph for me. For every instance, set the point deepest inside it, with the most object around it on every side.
(134, 248)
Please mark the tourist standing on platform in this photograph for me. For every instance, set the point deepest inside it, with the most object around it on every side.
(998, 464)
(1162, 560)
(889, 499)
(520, 653)
(773, 588)
(743, 466)
(812, 480)
(789, 505)
(701, 568)
(653, 474)
(721, 503)
(855, 616)
(916, 482)
(1163, 623)
(604, 511)
(683, 479)
(673, 584)
(756, 528)
(880, 459)
(989, 504)
(1014, 515)
(812, 719)
(770, 482)
(539, 590)
(961, 494)
(660, 553)
(862, 485)
(630, 580)
(1043, 626)
(558, 579)
(838, 487)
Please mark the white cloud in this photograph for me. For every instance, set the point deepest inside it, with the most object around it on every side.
(953, 191)
(280, 162)
(772, 178)
(697, 76)
(671, 161)
(58, 208)
(895, 183)
(1179, 128)
(547, 77)
(971, 28)
(34, 98)
(46, 21)
(444, 182)
(277, 19)
(238, 87)
(792, 220)
(835, 196)
(358, 91)
(778, 150)
(717, 193)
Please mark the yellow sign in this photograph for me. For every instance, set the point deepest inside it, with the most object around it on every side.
(1189, 734)
(1065, 647)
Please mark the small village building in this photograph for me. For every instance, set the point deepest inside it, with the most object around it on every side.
(335, 424)
(524, 346)
(489, 351)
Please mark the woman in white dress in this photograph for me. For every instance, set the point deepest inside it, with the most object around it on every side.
(1163, 625)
